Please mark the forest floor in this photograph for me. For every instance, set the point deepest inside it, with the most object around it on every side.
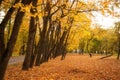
(74, 67)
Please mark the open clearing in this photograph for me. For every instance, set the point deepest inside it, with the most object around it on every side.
(74, 67)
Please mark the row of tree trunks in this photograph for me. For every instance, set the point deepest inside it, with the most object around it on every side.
(52, 39)
(42, 41)
(51, 43)
(11, 43)
(41, 46)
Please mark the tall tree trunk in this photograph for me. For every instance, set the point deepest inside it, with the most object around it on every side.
(35, 49)
(2, 28)
(11, 43)
(1, 2)
(118, 47)
(88, 44)
(42, 41)
(8, 51)
(31, 38)
(60, 44)
(30, 44)
(64, 51)
(47, 40)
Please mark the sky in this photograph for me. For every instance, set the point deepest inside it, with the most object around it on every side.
(2, 14)
(105, 21)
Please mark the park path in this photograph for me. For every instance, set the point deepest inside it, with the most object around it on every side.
(16, 59)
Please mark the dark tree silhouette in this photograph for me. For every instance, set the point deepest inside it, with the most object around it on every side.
(11, 43)
(31, 37)
(2, 28)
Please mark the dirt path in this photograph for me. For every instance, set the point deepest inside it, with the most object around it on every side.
(74, 67)
(15, 60)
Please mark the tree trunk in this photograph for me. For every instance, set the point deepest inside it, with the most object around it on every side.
(64, 51)
(118, 55)
(2, 28)
(2, 44)
(32, 60)
(118, 48)
(88, 44)
(11, 43)
(22, 49)
(31, 38)
(8, 51)
(30, 43)
(42, 41)
(1, 2)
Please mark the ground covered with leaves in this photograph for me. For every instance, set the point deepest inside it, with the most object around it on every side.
(74, 67)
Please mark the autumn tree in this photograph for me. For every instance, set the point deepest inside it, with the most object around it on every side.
(7, 52)
(31, 36)
(117, 30)
(2, 28)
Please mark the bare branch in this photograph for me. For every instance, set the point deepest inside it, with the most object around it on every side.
(54, 12)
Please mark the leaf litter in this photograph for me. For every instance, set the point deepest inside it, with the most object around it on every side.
(74, 67)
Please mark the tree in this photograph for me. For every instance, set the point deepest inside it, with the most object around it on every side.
(2, 28)
(1, 2)
(117, 26)
(31, 37)
(11, 43)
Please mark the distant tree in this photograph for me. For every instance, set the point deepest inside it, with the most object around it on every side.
(117, 27)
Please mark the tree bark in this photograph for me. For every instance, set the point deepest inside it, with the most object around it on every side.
(1, 2)
(8, 51)
(118, 47)
(31, 38)
(30, 44)
(41, 55)
(11, 43)
(2, 28)
(42, 40)
(22, 49)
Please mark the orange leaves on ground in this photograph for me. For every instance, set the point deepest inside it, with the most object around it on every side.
(74, 67)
